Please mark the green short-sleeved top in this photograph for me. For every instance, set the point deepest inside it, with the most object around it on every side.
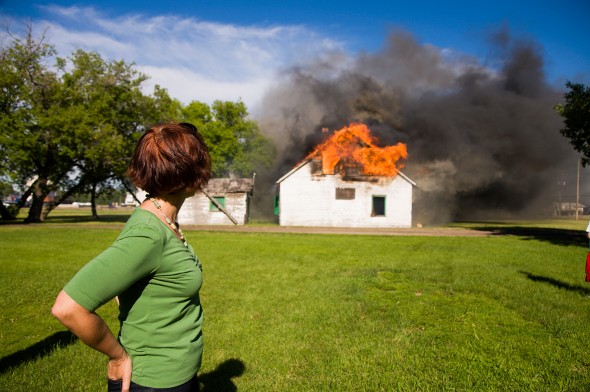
(157, 280)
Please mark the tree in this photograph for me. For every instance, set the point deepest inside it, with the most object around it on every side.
(576, 114)
(36, 136)
(236, 145)
(111, 111)
(70, 126)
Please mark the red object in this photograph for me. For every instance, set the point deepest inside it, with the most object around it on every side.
(588, 267)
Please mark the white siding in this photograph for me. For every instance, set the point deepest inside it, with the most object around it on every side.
(196, 210)
(310, 200)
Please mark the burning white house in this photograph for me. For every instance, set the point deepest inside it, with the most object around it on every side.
(347, 182)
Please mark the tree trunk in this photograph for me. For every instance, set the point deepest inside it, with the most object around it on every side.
(23, 198)
(93, 201)
(40, 192)
(35, 210)
(63, 197)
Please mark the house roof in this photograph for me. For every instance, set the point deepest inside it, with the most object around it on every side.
(297, 167)
(230, 185)
(309, 159)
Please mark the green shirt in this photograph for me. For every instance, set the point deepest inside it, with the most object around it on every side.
(157, 280)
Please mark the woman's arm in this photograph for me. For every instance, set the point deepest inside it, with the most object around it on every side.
(93, 331)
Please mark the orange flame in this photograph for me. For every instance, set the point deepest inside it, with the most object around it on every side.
(354, 146)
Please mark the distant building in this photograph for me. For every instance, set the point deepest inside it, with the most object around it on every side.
(568, 208)
(225, 201)
(308, 197)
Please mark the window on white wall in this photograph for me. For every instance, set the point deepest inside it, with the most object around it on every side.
(220, 200)
(345, 193)
(378, 208)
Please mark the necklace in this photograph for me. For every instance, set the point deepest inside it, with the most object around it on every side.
(174, 226)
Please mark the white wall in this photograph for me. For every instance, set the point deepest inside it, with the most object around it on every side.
(195, 210)
(310, 200)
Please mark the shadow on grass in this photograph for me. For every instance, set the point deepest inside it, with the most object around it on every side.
(551, 235)
(220, 379)
(112, 218)
(557, 283)
(37, 350)
(72, 219)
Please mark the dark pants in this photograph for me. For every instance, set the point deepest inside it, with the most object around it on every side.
(189, 386)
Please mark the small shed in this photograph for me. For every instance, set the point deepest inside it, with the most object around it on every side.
(225, 201)
(306, 196)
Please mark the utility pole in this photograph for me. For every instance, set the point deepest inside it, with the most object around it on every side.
(560, 186)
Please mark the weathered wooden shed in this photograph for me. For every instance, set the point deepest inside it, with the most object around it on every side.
(306, 196)
(225, 201)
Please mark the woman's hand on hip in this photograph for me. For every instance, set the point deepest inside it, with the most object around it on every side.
(120, 369)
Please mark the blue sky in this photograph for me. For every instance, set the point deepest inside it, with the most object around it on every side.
(206, 50)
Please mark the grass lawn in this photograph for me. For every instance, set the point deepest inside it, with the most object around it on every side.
(299, 312)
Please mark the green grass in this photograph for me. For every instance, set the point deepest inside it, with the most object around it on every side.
(296, 312)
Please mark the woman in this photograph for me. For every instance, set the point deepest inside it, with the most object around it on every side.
(152, 270)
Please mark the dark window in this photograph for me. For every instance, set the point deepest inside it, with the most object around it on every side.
(378, 206)
(220, 200)
(345, 193)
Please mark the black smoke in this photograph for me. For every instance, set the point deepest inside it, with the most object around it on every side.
(483, 139)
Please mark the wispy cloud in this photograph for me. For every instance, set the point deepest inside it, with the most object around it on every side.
(193, 59)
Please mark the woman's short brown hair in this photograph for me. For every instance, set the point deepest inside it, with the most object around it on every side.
(170, 158)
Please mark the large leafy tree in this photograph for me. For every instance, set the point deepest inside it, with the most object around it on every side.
(576, 113)
(35, 131)
(71, 125)
(110, 109)
(236, 145)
